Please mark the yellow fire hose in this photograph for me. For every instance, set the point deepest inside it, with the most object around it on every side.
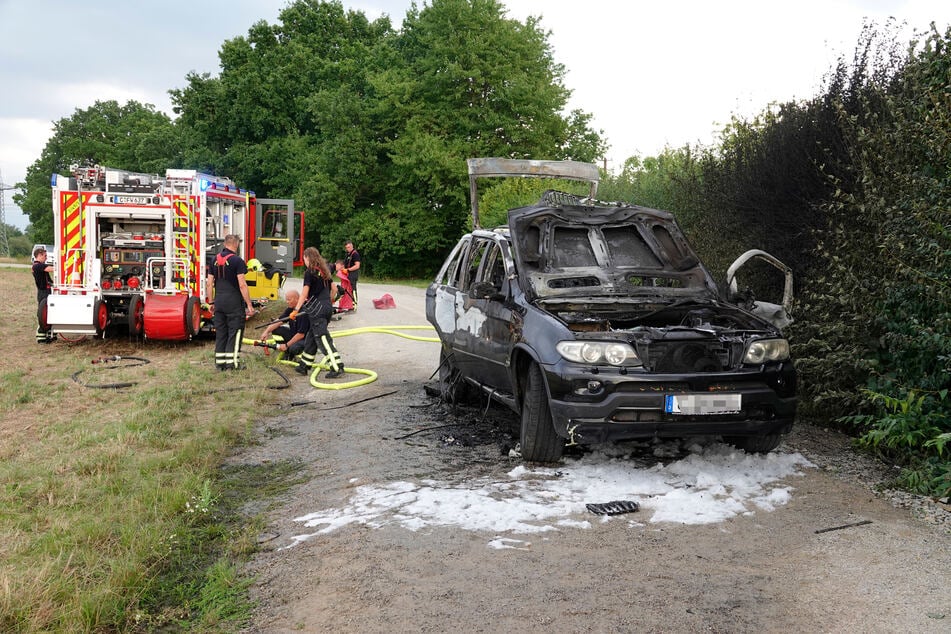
(369, 375)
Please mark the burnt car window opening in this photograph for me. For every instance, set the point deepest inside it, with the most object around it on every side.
(628, 248)
(493, 268)
(532, 241)
(477, 255)
(455, 271)
(572, 247)
(679, 257)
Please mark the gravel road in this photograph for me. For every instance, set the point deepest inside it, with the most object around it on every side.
(884, 567)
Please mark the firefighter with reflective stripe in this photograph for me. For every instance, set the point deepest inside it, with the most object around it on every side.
(293, 334)
(315, 300)
(41, 276)
(232, 305)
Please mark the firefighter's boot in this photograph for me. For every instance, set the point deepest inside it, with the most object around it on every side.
(305, 363)
(333, 357)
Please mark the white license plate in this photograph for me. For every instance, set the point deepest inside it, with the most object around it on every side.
(699, 404)
(131, 200)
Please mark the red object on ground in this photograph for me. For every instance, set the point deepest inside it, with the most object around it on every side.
(384, 302)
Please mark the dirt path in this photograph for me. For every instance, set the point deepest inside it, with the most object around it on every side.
(363, 568)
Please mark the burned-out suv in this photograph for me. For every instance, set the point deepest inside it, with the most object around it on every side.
(597, 322)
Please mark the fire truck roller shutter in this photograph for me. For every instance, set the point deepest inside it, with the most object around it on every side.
(166, 317)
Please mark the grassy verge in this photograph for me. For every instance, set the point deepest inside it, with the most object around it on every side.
(412, 282)
(116, 513)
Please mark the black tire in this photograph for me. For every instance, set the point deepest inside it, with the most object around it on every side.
(41, 315)
(192, 316)
(452, 387)
(136, 316)
(538, 439)
(756, 444)
(100, 315)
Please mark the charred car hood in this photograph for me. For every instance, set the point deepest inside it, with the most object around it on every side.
(605, 254)
(673, 336)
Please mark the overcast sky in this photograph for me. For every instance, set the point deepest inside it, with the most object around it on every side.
(651, 73)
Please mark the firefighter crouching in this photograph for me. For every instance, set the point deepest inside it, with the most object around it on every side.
(292, 333)
(232, 303)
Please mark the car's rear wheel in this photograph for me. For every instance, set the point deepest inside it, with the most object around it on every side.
(538, 439)
(452, 387)
(756, 444)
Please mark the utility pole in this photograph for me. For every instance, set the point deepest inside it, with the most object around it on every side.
(4, 243)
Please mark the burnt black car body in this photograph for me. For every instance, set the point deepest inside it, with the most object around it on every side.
(597, 322)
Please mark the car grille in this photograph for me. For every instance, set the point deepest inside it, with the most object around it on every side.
(679, 357)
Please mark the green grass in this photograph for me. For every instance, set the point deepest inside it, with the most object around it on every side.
(412, 282)
(115, 513)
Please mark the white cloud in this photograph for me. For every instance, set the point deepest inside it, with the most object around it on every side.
(21, 142)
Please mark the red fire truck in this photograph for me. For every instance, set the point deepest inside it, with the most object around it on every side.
(134, 248)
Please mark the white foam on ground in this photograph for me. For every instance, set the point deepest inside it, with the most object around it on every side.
(712, 484)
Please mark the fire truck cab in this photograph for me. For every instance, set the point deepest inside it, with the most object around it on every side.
(134, 249)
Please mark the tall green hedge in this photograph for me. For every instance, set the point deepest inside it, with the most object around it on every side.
(851, 188)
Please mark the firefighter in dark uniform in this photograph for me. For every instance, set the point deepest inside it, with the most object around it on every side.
(293, 333)
(44, 283)
(232, 304)
(315, 300)
(351, 265)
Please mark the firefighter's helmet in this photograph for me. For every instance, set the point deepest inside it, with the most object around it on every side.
(255, 265)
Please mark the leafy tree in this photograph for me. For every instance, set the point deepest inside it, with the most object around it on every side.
(465, 82)
(292, 113)
(671, 181)
(368, 129)
(132, 136)
(18, 243)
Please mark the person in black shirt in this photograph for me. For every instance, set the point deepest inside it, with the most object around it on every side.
(44, 283)
(293, 332)
(315, 300)
(351, 264)
(232, 303)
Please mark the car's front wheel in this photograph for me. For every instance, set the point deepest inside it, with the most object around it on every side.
(538, 439)
(756, 444)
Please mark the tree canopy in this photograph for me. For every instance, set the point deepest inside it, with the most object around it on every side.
(368, 128)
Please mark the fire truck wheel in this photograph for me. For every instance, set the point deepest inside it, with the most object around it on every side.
(101, 315)
(136, 315)
(192, 316)
(41, 318)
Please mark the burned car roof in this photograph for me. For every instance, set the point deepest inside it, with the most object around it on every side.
(568, 248)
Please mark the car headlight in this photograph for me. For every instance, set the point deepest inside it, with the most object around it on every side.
(765, 350)
(598, 352)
